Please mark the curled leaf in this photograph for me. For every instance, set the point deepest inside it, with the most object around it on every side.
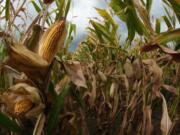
(175, 55)
(74, 70)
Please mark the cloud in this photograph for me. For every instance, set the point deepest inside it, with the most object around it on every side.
(80, 13)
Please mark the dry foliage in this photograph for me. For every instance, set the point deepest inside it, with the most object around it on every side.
(104, 87)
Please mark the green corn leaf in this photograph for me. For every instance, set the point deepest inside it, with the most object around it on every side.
(9, 124)
(67, 8)
(168, 23)
(168, 36)
(131, 31)
(149, 5)
(118, 7)
(102, 31)
(107, 17)
(54, 112)
(52, 89)
(36, 7)
(175, 6)
(7, 10)
(60, 6)
(158, 25)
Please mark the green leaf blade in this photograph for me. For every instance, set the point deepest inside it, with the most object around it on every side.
(7, 10)
(9, 124)
(54, 112)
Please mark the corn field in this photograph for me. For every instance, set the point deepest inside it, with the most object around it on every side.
(106, 86)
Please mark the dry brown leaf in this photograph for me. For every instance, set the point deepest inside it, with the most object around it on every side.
(39, 124)
(128, 70)
(147, 124)
(170, 89)
(156, 72)
(113, 89)
(175, 55)
(102, 76)
(147, 48)
(23, 56)
(63, 82)
(74, 70)
(178, 1)
(115, 105)
(137, 68)
(165, 120)
(93, 91)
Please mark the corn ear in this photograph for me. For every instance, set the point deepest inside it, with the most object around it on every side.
(21, 99)
(52, 40)
(22, 107)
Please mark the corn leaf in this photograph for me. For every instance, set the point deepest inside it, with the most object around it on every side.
(9, 124)
(168, 23)
(37, 8)
(102, 31)
(175, 6)
(158, 26)
(7, 10)
(127, 13)
(149, 5)
(165, 120)
(54, 112)
(118, 7)
(67, 8)
(168, 36)
(60, 6)
(107, 17)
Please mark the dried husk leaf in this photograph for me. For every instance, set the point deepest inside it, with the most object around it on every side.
(165, 120)
(39, 124)
(52, 40)
(128, 70)
(147, 122)
(137, 68)
(23, 56)
(93, 92)
(113, 89)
